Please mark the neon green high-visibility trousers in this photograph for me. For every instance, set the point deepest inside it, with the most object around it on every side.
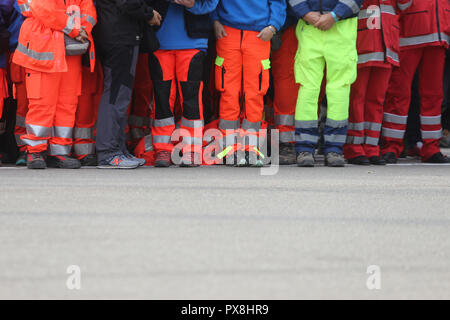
(334, 49)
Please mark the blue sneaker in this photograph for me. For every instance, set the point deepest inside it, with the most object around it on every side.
(139, 160)
(118, 162)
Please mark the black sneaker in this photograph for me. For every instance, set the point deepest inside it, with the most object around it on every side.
(288, 155)
(89, 161)
(390, 158)
(437, 158)
(359, 161)
(63, 162)
(377, 161)
(36, 161)
(163, 159)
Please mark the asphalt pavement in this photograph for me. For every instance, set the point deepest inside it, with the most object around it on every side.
(226, 233)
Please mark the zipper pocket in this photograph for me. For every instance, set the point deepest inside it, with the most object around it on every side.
(260, 80)
(223, 77)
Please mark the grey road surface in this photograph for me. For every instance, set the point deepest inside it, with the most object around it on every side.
(226, 233)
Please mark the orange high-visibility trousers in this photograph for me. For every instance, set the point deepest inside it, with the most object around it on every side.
(86, 115)
(242, 71)
(285, 87)
(140, 111)
(182, 70)
(53, 99)
(17, 74)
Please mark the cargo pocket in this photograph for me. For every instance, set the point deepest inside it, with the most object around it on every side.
(263, 78)
(220, 74)
(33, 83)
(17, 73)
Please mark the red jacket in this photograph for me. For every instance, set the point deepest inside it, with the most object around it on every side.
(378, 33)
(41, 41)
(424, 23)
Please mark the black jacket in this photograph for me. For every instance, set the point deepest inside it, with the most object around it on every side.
(197, 26)
(121, 22)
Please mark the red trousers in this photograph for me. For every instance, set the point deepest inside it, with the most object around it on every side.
(20, 94)
(285, 88)
(242, 73)
(3, 89)
(182, 69)
(140, 111)
(53, 99)
(86, 115)
(430, 63)
(366, 111)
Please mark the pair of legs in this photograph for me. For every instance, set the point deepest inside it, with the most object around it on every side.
(178, 73)
(53, 99)
(335, 49)
(366, 112)
(242, 75)
(430, 63)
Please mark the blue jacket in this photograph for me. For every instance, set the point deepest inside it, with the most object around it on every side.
(343, 8)
(253, 15)
(12, 19)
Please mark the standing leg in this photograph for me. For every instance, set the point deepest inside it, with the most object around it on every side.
(374, 110)
(431, 73)
(398, 99)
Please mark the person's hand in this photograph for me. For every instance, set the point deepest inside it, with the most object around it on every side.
(326, 22)
(266, 34)
(187, 3)
(82, 36)
(156, 21)
(312, 17)
(219, 30)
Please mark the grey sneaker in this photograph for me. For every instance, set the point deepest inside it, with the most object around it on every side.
(139, 160)
(305, 159)
(287, 154)
(334, 160)
(119, 162)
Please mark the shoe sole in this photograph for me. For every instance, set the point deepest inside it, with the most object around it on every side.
(161, 165)
(36, 166)
(117, 167)
(306, 164)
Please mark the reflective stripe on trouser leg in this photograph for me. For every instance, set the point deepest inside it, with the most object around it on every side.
(285, 124)
(162, 132)
(194, 142)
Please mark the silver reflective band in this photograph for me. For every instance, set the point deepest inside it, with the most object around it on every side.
(372, 126)
(148, 141)
(284, 120)
(393, 118)
(303, 137)
(82, 133)
(306, 124)
(62, 132)
(293, 3)
(191, 123)
(430, 121)
(431, 135)
(429, 38)
(59, 150)
(137, 121)
(351, 4)
(162, 139)
(391, 54)
(366, 14)
(89, 19)
(193, 141)
(336, 123)
(164, 122)
(39, 131)
(388, 9)
(405, 5)
(83, 149)
(20, 121)
(71, 22)
(229, 125)
(25, 7)
(286, 137)
(335, 138)
(356, 126)
(372, 141)
(34, 143)
(247, 125)
(137, 133)
(41, 56)
(368, 57)
(392, 133)
(354, 140)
